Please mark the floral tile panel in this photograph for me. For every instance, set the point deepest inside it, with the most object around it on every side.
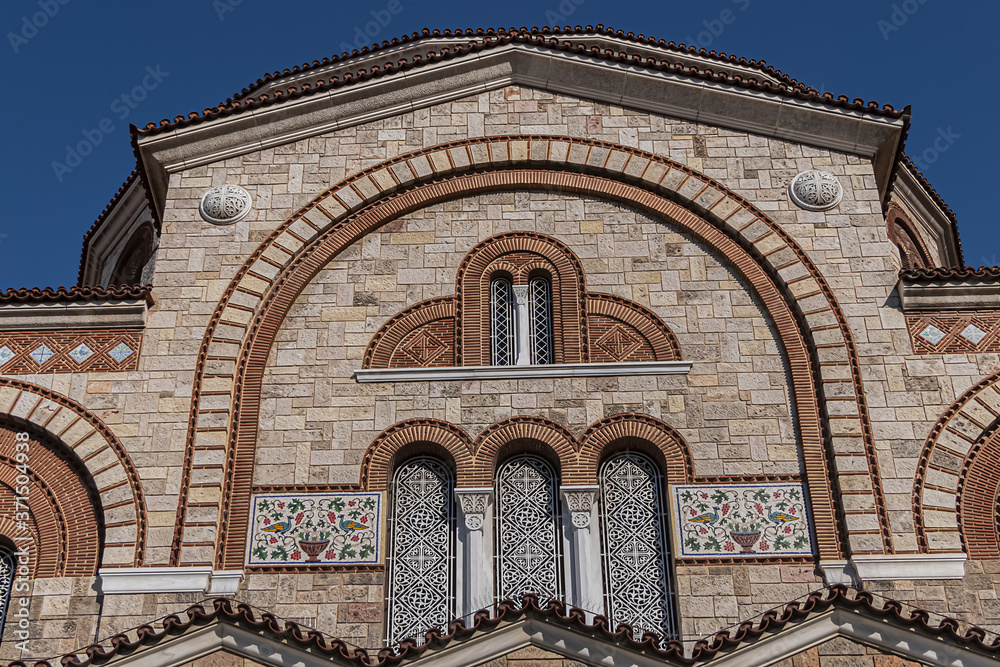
(316, 529)
(741, 520)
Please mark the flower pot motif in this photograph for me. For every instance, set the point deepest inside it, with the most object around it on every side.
(313, 549)
(745, 539)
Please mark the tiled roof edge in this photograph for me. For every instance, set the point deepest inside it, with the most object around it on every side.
(100, 221)
(235, 106)
(77, 294)
(704, 651)
(944, 274)
(598, 30)
(939, 200)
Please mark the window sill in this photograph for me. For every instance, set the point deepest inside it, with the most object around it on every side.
(628, 368)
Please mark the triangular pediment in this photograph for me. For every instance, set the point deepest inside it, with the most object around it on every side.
(731, 100)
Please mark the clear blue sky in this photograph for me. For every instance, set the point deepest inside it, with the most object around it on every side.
(64, 78)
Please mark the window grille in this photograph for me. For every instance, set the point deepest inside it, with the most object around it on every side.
(421, 559)
(503, 325)
(528, 542)
(635, 552)
(540, 300)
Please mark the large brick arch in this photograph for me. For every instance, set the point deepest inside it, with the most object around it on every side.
(955, 490)
(115, 479)
(792, 290)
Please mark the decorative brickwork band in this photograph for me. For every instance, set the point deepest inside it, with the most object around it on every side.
(119, 497)
(70, 351)
(955, 332)
(788, 284)
(955, 492)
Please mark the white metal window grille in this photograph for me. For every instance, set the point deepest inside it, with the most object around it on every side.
(7, 568)
(528, 544)
(421, 559)
(503, 325)
(540, 298)
(637, 587)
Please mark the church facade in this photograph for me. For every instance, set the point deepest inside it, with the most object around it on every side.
(509, 347)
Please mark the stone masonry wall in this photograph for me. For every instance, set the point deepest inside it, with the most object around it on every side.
(149, 409)
(733, 410)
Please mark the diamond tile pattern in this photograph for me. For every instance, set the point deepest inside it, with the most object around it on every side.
(120, 352)
(6, 354)
(81, 353)
(41, 354)
(973, 334)
(932, 334)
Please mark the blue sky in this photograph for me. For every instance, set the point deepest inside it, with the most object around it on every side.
(68, 63)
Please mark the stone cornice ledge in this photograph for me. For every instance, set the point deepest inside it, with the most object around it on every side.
(73, 315)
(122, 581)
(630, 368)
(909, 566)
(968, 294)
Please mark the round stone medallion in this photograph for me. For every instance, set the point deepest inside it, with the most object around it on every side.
(225, 205)
(815, 190)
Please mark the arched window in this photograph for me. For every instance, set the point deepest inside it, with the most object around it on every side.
(8, 566)
(503, 322)
(528, 537)
(422, 556)
(540, 305)
(634, 548)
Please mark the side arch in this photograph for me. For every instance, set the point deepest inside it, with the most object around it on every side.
(122, 504)
(796, 296)
(630, 430)
(50, 500)
(950, 486)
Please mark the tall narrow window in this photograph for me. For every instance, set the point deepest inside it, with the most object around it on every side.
(7, 569)
(540, 295)
(528, 543)
(637, 586)
(421, 560)
(503, 325)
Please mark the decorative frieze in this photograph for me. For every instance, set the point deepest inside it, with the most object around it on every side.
(316, 529)
(69, 351)
(954, 332)
(741, 520)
